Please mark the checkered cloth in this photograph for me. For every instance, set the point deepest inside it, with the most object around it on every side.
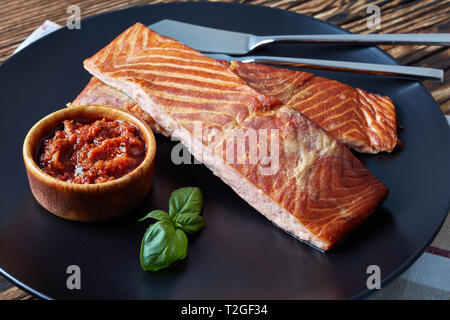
(427, 278)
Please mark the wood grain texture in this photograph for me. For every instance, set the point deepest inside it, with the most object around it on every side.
(18, 18)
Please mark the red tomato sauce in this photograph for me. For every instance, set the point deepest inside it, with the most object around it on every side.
(94, 152)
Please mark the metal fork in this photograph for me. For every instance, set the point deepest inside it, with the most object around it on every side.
(415, 73)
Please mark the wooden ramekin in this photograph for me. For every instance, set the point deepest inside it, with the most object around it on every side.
(88, 202)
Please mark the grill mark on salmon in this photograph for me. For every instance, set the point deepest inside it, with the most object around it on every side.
(320, 190)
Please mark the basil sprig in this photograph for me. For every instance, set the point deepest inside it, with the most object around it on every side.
(165, 241)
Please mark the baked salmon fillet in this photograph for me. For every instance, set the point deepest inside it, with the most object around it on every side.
(363, 121)
(300, 177)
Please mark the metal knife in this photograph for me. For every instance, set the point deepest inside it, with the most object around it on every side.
(222, 41)
(218, 40)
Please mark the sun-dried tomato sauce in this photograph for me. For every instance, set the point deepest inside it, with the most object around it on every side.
(92, 152)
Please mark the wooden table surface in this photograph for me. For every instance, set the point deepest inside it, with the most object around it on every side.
(18, 18)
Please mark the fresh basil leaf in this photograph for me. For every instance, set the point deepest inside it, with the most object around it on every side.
(162, 245)
(189, 222)
(158, 215)
(185, 200)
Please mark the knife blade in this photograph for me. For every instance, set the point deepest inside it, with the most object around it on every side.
(236, 43)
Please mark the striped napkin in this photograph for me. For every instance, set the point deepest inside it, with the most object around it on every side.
(427, 278)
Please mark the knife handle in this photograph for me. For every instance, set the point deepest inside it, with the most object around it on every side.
(416, 73)
(439, 39)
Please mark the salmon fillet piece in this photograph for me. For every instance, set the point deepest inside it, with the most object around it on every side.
(308, 184)
(363, 121)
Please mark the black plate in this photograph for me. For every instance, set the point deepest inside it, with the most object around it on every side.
(239, 254)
